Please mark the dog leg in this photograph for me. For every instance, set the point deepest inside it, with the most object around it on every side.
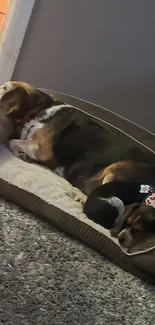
(79, 196)
(108, 178)
(24, 149)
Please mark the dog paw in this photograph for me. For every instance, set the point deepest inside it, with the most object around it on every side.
(24, 157)
(79, 196)
(6, 88)
(14, 146)
(16, 149)
(79, 199)
(114, 232)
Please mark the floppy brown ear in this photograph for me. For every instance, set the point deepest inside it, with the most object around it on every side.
(130, 209)
(23, 99)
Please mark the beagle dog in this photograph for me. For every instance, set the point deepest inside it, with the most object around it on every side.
(138, 218)
(124, 208)
(64, 139)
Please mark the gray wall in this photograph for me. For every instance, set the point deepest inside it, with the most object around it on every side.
(100, 50)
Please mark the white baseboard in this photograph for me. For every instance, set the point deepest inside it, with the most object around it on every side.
(12, 35)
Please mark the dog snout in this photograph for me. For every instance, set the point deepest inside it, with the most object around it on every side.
(125, 238)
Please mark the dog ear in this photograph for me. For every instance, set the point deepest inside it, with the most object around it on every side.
(22, 99)
(147, 214)
(130, 209)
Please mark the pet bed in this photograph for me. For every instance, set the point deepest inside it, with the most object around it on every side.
(51, 198)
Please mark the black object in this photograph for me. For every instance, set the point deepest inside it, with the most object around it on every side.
(97, 207)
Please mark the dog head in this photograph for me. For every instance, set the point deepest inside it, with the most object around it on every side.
(19, 99)
(139, 218)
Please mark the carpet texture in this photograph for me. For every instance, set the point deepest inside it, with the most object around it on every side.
(48, 278)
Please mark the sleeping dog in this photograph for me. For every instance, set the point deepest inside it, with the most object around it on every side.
(61, 137)
(124, 208)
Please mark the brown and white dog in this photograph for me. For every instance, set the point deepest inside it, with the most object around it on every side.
(60, 137)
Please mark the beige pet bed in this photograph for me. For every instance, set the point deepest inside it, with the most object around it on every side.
(52, 198)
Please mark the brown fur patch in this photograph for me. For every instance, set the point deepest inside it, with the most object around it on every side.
(44, 139)
(119, 170)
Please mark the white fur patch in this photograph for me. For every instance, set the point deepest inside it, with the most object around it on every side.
(59, 171)
(18, 146)
(117, 203)
(6, 88)
(35, 124)
(51, 111)
(29, 129)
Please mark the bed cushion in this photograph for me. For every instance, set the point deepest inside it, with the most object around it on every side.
(52, 198)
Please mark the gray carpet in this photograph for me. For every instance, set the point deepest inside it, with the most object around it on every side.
(48, 278)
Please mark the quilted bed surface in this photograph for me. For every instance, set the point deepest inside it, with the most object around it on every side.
(43, 183)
